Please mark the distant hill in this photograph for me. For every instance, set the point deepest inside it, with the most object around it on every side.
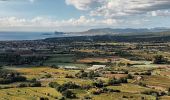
(131, 37)
(105, 31)
(59, 33)
(55, 33)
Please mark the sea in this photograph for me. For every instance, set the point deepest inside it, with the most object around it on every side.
(12, 36)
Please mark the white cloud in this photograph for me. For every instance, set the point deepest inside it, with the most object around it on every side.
(82, 4)
(79, 4)
(41, 22)
(160, 13)
(112, 8)
(80, 24)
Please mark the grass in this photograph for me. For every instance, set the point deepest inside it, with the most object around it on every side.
(82, 66)
(63, 60)
(75, 80)
(122, 96)
(40, 72)
(130, 88)
(91, 60)
(164, 98)
(58, 58)
(80, 93)
(128, 91)
(58, 75)
(28, 93)
(163, 72)
(157, 80)
(132, 69)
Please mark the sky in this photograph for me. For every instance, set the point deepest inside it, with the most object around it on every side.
(81, 15)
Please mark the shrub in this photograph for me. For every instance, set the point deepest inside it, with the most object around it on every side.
(98, 84)
(69, 76)
(117, 81)
(124, 96)
(61, 88)
(159, 59)
(95, 92)
(81, 74)
(53, 84)
(87, 97)
(136, 73)
(113, 81)
(126, 72)
(23, 85)
(129, 76)
(71, 85)
(90, 75)
(109, 90)
(36, 84)
(142, 84)
(66, 86)
(86, 87)
(5, 81)
(62, 98)
(154, 93)
(48, 76)
(7, 77)
(43, 98)
(54, 66)
(33, 80)
(68, 94)
(146, 73)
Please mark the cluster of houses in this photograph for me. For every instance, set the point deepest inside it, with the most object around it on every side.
(93, 68)
(96, 67)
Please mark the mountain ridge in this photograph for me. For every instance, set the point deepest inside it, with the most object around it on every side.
(104, 31)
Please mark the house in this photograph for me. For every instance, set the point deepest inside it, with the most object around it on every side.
(139, 78)
(96, 67)
(69, 67)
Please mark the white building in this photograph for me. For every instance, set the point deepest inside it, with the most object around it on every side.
(68, 67)
(96, 67)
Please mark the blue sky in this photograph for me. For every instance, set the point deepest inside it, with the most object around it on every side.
(80, 15)
(24, 8)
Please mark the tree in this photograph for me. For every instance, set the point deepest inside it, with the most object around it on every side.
(54, 66)
(36, 84)
(48, 76)
(33, 80)
(53, 84)
(159, 59)
(112, 81)
(66, 86)
(92, 74)
(1, 66)
(99, 84)
(23, 85)
(81, 74)
(69, 94)
(43, 98)
(129, 76)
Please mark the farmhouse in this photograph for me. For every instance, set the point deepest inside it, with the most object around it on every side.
(96, 67)
(69, 67)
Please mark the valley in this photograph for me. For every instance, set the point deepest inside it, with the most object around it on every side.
(85, 67)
